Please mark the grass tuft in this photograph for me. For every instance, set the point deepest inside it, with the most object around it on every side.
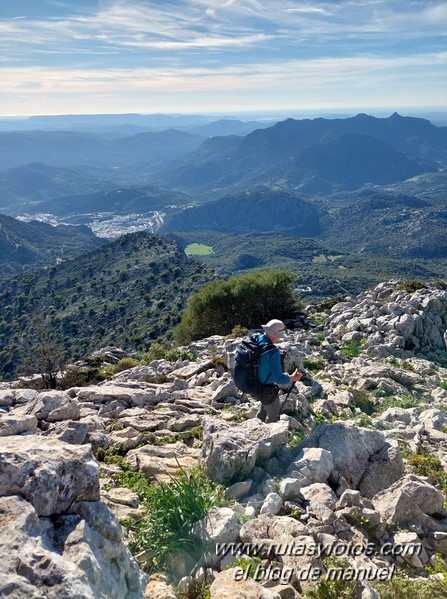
(172, 509)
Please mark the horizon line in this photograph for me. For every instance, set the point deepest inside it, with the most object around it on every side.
(440, 108)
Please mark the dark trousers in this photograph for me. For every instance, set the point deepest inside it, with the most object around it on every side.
(270, 404)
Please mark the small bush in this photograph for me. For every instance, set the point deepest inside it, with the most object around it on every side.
(247, 301)
(434, 587)
(295, 437)
(329, 303)
(217, 360)
(410, 285)
(237, 332)
(124, 364)
(158, 379)
(400, 401)
(158, 351)
(197, 590)
(352, 349)
(427, 465)
(363, 401)
(314, 364)
(333, 589)
(81, 377)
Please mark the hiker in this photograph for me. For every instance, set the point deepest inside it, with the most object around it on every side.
(270, 371)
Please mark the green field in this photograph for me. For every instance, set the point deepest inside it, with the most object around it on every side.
(198, 249)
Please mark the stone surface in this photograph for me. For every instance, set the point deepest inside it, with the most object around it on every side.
(412, 500)
(358, 454)
(315, 463)
(228, 585)
(78, 552)
(230, 451)
(219, 526)
(47, 473)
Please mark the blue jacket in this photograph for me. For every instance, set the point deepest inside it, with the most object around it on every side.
(269, 365)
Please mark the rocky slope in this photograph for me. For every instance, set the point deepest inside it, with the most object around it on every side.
(338, 477)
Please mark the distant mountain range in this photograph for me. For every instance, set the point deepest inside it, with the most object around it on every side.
(316, 156)
(23, 186)
(207, 125)
(119, 201)
(33, 245)
(71, 148)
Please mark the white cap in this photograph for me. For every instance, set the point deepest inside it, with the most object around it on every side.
(276, 328)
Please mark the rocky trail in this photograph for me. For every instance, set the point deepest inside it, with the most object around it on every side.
(353, 476)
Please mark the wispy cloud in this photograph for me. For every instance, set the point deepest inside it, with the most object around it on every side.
(223, 47)
(213, 24)
(292, 74)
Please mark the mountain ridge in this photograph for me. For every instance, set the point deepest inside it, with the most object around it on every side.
(282, 153)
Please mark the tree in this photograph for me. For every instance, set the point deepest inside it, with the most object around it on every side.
(43, 355)
(248, 301)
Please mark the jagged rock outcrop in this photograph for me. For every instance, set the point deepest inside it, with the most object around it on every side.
(393, 321)
(58, 539)
(363, 458)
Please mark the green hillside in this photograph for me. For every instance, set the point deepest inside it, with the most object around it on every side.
(327, 271)
(126, 293)
(26, 246)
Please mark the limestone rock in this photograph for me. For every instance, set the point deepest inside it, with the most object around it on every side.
(358, 454)
(163, 461)
(272, 504)
(65, 555)
(315, 463)
(47, 473)
(229, 583)
(412, 500)
(219, 526)
(132, 396)
(159, 588)
(53, 406)
(230, 450)
(11, 424)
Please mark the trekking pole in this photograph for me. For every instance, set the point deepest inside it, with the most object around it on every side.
(287, 397)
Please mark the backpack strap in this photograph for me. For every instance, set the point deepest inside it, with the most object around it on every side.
(268, 347)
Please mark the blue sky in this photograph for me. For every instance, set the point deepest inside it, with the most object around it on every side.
(227, 56)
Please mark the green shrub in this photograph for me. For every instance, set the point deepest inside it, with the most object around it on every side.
(333, 589)
(410, 285)
(400, 401)
(427, 465)
(218, 360)
(295, 437)
(363, 401)
(352, 349)
(329, 303)
(314, 364)
(247, 301)
(197, 590)
(158, 379)
(158, 351)
(81, 377)
(237, 332)
(434, 587)
(124, 364)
